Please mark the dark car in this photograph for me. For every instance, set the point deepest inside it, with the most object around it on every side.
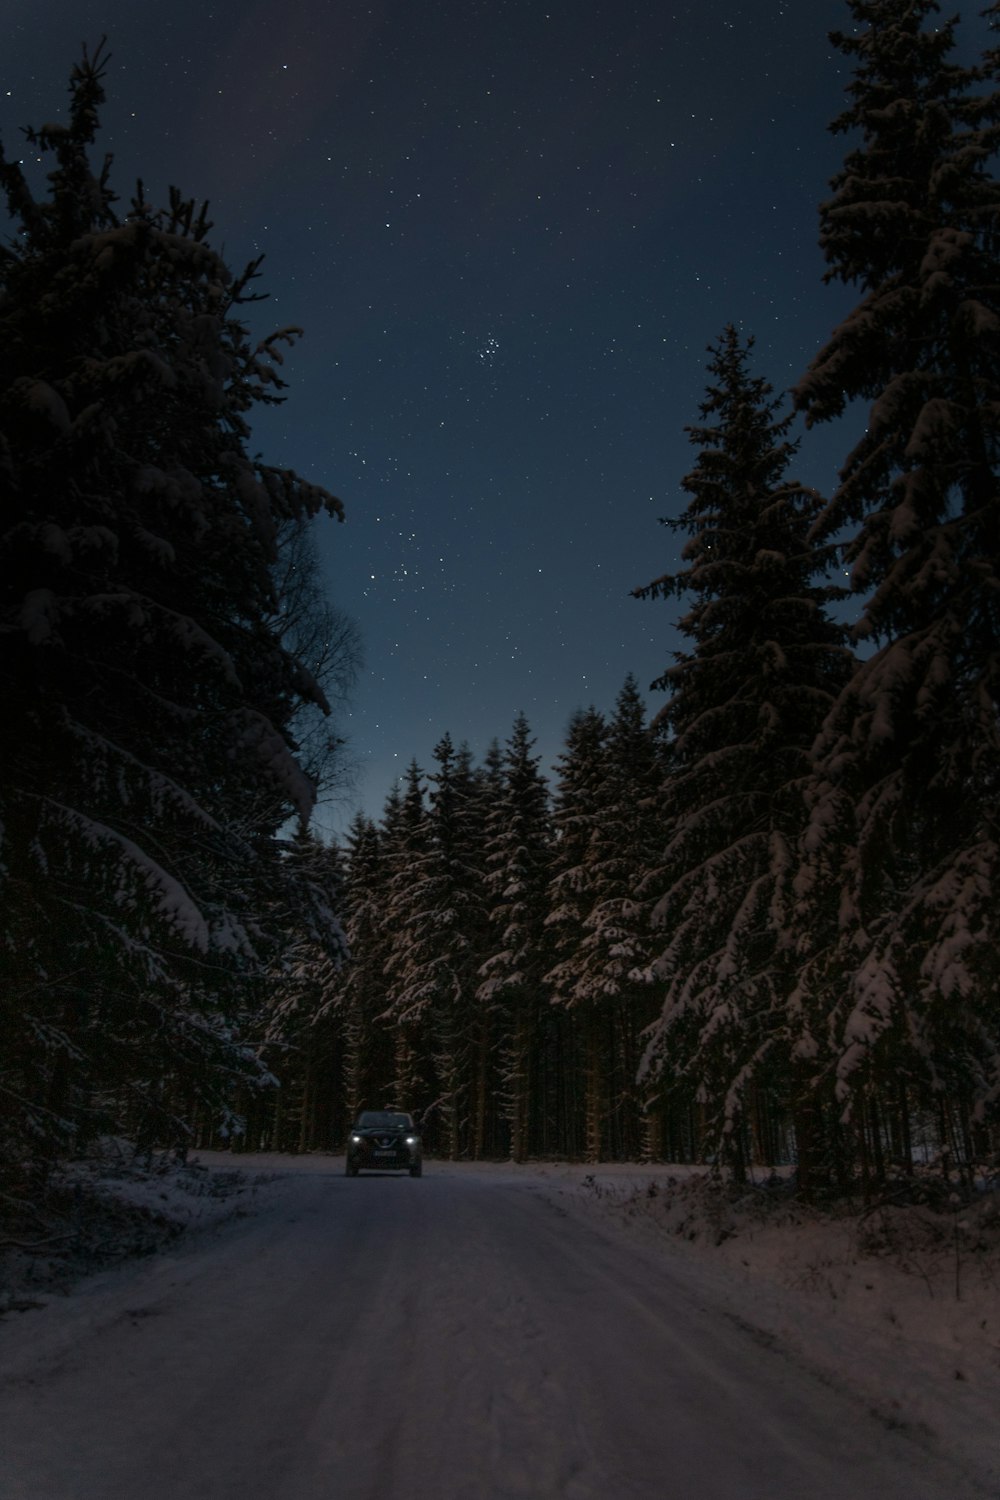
(384, 1140)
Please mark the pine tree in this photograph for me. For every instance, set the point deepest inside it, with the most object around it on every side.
(576, 808)
(409, 950)
(146, 753)
(580, 771)
(606, 839)
(368, 1065)
(905, 832)
(743, 710)
(300, 1030)
(518, 848)
(454, 901)
(617, 946)
(488, 1129)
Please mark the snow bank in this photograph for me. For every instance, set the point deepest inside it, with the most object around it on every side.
(898, 1301)
(97, 1213)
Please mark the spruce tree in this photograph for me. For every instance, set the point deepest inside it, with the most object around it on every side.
(488, 1133)
(580, 771)
(145, 743)
(368, 1066)
(905, 838)
(409, 967)
(743, 710)
(605, 821)
(517, 861)
(300, 1031)
(617, 948)
(576, 808)
(453, 900)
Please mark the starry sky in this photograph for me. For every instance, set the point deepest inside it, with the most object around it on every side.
(509, 228)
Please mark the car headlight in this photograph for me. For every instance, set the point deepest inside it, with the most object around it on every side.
(412, 1140)
(355, 1140)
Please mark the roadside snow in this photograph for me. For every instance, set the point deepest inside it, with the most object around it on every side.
(110, 1209)
(899, 1303)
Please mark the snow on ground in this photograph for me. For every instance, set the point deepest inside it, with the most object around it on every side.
(108, 1209)
(494, 1332)
(899, 1302)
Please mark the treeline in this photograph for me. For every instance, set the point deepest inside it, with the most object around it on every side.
(496, 983)
(772, 925)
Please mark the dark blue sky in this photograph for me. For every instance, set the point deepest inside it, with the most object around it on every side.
(509, 230)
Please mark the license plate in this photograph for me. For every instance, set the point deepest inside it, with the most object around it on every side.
(385, 1153)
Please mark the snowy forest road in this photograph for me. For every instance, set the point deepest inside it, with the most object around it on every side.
(460, 1337)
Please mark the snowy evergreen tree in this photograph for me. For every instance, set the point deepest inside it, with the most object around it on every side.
(409, 968)
(606, 826)
(300, 1030)
(580, 771)
(518, 841)
(146, 754)
(617, 944)
(368, 1045)
(433, 921)
(577, 804)
(903, 843)
(454, 899)
(488, 1130)
(743, 711)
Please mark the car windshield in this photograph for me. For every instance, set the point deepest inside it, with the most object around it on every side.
(374, 1119)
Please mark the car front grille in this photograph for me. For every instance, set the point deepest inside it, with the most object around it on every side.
(386, 1151)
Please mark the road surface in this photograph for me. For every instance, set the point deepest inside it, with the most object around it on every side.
(457, 1337)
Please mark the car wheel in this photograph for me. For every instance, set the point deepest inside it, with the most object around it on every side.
(350, 1169)
(417, 1169)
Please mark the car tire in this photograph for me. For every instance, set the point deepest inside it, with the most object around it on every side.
(350, 1170)
(417, 1169)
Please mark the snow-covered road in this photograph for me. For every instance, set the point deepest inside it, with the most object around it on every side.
(460, 1337)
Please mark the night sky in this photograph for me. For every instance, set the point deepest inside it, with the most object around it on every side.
(509, 230)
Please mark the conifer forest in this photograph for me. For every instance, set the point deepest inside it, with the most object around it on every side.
(758, 925)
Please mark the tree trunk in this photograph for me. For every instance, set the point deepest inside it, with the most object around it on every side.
(305, 1140)
(518, 1082)
(481, 1095)
(652, 1133)
(594, 1086)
